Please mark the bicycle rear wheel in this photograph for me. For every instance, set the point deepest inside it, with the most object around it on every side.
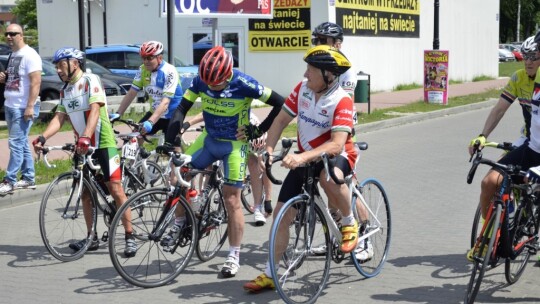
(299, 275)
(138, 179)
(61, 218)
(153, 265)
(522, 241)
(248, 201)
(212, 227)
(378, 228)
(481, 258)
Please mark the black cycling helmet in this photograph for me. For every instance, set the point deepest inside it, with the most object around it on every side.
(328, 29)
(327, 58)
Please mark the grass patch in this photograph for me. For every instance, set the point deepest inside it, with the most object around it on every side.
(482, 78)
(506, 69)
(404, 87)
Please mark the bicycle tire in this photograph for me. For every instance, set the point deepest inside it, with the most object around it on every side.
(152, 266)
(156, 178)
(524, 231)
(481, 261)
(58, 230)
(477, 225)
(248, 201)
(310, 272)
(213, 227)
(380, 221)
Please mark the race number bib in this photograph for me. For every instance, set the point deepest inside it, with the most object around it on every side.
(130, 150)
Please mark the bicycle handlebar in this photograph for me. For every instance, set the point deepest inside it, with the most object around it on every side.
(286, 143)
(69, 147)
(180, 160)
(509, 169)
(135, 127)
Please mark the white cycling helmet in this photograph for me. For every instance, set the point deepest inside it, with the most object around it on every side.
(256, 145)
(529, 46)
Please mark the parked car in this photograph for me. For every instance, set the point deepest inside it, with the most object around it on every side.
(515, 50)
(5, 49)
(51, 83)
(125, 60)
(506, 55)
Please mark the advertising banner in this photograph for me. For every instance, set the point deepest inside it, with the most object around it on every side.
(220, 8)
(289, 30)
(378, 18)
(436, 77)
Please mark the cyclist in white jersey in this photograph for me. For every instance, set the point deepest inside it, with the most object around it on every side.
(324, 112)
(84, 105)
(329, 33)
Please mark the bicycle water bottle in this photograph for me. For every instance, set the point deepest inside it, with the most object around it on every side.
(510, 206)
(191, 195)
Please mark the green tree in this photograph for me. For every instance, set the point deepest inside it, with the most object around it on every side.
(26, 13)
(529, 18)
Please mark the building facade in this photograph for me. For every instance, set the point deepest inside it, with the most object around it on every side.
(385, 39)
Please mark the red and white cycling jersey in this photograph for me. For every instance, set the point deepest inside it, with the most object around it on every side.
(317, 120)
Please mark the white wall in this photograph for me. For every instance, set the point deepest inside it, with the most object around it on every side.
(468, 29)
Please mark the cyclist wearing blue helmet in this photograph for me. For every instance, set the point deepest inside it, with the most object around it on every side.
(83, 102)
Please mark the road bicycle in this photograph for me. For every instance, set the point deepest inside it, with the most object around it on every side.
(299, 275)
(153, 213)
(477, 222)
(512, 240)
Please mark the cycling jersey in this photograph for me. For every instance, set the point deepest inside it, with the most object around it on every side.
(520, 87)
(224, 111)
(75, 101)
(164, 82)
(318, 119)
(348, 81)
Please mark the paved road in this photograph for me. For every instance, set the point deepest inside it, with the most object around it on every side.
(423, 166)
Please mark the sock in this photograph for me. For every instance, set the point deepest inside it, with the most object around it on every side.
(179, 221)
(347, 220)
(234, 251)
(268, 206)
(267, 271)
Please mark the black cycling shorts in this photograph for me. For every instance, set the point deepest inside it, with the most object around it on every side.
(524, 157)
(292, 185)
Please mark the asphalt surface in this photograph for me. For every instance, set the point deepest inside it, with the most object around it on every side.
(422, 165)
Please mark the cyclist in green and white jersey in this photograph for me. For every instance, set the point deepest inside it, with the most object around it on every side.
(84, 104)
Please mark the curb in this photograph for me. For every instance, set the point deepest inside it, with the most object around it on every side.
(398, 121)
(27, 196)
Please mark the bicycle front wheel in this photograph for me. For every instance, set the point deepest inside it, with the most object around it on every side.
(139, 178)
(248, 201)
(212, 227)
(375, 234)
(299, 275)
(153, 265)
(61, 218)
(477, 225)
(482, 256)
(522, 234)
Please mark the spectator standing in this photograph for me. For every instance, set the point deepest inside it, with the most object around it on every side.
(22, 80)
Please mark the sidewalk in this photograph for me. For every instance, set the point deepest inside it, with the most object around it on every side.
(378, 101)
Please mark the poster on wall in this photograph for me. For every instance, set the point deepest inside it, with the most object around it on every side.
(289, 30)
(436, 77)
(379, 18)
(219, 8)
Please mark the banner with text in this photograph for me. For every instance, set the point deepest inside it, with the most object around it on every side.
(379, 18)
(436, 77)
(289, 30)
(220, 8)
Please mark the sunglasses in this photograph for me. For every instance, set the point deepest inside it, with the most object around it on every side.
(317, 40)
(531, 57)
(148, 58)
(11, 34)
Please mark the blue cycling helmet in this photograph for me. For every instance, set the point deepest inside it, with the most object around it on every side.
(68, 53)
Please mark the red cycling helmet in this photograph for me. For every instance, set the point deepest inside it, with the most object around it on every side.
(151, 48)
(216, 66)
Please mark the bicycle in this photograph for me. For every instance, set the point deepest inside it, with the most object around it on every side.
(153, 211)
(60, 220)
(507, 147)
(299, 275)
(502, 238)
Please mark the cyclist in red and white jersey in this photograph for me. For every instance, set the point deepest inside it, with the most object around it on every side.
(324, 112)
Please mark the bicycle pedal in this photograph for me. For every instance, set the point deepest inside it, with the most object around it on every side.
(532, 249)
(105, 236)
